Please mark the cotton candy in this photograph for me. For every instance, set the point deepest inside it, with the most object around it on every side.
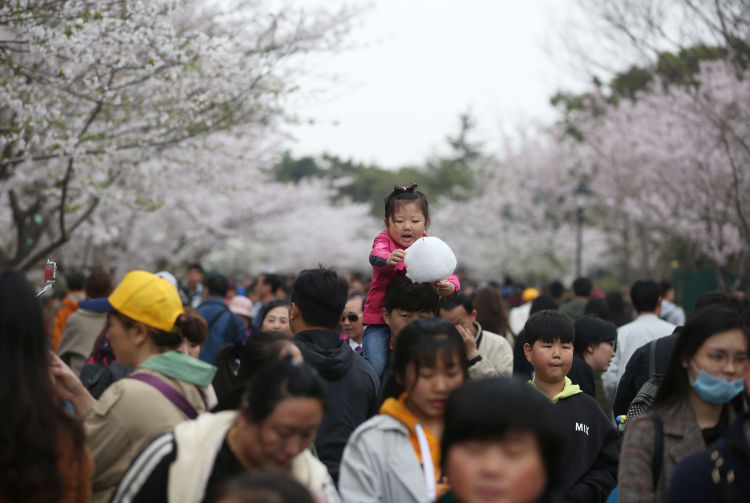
(428, 260)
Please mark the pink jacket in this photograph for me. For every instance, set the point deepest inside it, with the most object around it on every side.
(382, 275)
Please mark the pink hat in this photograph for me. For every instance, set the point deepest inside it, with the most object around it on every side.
(241, 305)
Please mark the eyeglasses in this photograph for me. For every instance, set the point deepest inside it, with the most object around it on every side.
(353, 318)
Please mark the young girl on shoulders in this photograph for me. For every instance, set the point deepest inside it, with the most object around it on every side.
(407, 216)
(395, 456)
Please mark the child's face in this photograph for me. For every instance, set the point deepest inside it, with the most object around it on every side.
(428, 389)
(407, 224)
(600, 356)
(506, 470)
(551, 360)
(397, 319)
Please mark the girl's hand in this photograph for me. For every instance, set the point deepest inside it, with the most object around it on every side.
(395, 258)
(68, 386)
(445, 288)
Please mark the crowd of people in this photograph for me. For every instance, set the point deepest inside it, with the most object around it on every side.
(328, 388)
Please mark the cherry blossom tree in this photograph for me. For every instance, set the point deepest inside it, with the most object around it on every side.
(95, 95)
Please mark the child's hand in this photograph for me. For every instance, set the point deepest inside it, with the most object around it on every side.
(395, 258)
(445, 288)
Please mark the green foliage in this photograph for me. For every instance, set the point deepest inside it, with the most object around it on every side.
(450, 176)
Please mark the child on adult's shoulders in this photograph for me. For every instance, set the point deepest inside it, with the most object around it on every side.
(591, 458)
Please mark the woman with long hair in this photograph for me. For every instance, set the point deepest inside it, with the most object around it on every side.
(492, 314)
(43, 455)
(146, 325)
(692, 407)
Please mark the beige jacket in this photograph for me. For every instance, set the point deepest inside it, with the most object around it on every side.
(497, 356)
(127, 417)
(79, 336)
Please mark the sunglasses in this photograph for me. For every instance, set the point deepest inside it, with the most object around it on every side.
(351, 317)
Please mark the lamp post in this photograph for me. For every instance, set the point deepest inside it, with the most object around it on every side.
(582, 193)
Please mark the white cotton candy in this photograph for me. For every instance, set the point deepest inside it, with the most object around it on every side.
(429, 260)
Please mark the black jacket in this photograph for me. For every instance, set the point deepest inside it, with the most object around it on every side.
(636, 371)
(582, 375)
(351, 389)
(592, 453)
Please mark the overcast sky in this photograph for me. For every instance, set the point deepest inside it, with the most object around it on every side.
(418, 64)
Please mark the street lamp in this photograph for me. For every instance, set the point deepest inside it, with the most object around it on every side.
(582, 193)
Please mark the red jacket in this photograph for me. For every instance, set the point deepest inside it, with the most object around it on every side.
(382, 275)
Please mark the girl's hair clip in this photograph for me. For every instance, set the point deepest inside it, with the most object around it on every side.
(408, 188)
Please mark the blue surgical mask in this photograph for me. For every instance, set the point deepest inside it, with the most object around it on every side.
(714, 389)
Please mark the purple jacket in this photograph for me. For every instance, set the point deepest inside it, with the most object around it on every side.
(382, 275)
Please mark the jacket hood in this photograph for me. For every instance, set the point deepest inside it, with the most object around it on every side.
(570, 389)
(323, 349)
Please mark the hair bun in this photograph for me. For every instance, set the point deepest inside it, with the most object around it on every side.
(409, 188)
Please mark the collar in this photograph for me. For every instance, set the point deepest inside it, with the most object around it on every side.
(568, 390)
(478, 337)
(182, 367)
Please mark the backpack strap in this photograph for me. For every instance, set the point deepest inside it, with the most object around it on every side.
(652, 359)
(216, 317)
(169, 392)
(658, 453)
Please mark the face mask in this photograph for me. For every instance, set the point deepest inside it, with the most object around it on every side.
(714, 389)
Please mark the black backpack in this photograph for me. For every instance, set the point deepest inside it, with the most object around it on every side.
(645, 396)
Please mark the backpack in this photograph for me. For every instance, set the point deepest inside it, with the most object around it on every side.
(645, 396)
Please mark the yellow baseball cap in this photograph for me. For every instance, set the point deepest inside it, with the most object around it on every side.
(144, 297)
(529, 294)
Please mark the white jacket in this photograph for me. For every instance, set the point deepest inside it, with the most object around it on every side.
(497, 356)
(380, 465)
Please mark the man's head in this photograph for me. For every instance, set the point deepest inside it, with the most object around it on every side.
(667, 290)
(556, 290)
(406, 301)
(582, 287)
(216, 285)
(460, 311)
(98, 284)
(646, 296)
(194, 275)
(351, 319)
(318, 299)
(75, 281)
(268, 286)
(549, 337)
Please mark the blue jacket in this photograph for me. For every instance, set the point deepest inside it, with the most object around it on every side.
(224, 327)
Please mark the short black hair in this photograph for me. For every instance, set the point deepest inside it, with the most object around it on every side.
(195, 266)
(542, 303)
(320, 295)
(479, 411)
(75, 280)
(98, 284)
(263, 487)
(597, 306)
(645, 295)
(665, 286)
(275, 281)
(556, 289)
(582, 287)
(216, 284)
(717, 299)
(460, 299)
(403, 293)
(548, 326)
(590, 330)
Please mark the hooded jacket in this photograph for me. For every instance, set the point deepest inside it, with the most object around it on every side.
(592, 453)
(351, 390)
